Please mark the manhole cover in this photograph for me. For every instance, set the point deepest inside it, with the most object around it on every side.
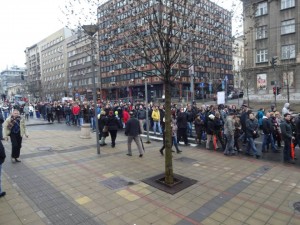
(296, 206)
(186, 160)
(46, 148)
(116, 183)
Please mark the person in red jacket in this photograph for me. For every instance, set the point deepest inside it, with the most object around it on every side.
(126, 117)
(76, 111)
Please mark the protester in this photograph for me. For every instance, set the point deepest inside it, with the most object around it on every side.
(252, 133)
(133, 131)
(14, 126)
(287, 135)
(229, 133)
(113, 124)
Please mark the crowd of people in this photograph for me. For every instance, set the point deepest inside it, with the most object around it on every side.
(220, 127)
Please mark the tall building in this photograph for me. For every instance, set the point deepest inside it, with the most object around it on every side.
(80, 74)
(33, 69)
(53, 64)
(11, 77)
(121, 80)
(272, 34)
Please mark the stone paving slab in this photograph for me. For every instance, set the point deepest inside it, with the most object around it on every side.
(64, 187)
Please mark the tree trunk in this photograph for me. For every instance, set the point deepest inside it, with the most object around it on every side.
(169, 177)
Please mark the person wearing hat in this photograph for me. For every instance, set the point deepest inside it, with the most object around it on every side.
(287, 136)
(210, 130)
(133, 131)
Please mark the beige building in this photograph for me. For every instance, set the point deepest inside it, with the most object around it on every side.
(272, 31)
(238, 62)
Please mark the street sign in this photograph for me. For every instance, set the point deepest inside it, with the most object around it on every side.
(226, 78)
(76, 95)
(201, 85)
(210, 88)
(223, 85)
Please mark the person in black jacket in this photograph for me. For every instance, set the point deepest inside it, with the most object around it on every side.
(2, 159)
(210, 129)
(182, 126)
(113, 124)
(287, 136)
(268, 130)
(141, 116)
(252, 133)
(1, 122)
(133, 131)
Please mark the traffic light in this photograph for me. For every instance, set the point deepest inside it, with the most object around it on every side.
(274, 90)
(278, 90)
(274, 62)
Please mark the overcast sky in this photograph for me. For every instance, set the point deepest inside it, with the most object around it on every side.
(23, 23)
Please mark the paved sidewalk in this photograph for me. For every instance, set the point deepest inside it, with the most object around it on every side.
(62, 180)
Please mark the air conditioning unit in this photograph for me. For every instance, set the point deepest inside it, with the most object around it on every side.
(142, 65)
(113, 83)
(111, 59)
(112, 71)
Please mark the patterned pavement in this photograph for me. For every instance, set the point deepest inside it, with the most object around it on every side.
(62, 180)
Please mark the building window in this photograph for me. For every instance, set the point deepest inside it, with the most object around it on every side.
(261, 32)
(288, 52)
(262, 9)
(287, 4)
(288, 26)
(262, 56)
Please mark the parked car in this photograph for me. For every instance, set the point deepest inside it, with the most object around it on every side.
(241, 94)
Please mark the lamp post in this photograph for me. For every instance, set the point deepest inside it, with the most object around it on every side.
(91, 30)
(147, 119)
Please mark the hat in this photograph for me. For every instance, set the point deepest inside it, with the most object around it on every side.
(244, 105)
(286, 114)
(211, 116)
(131, 112)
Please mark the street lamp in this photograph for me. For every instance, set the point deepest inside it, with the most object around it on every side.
(91, 30)
(146, 99)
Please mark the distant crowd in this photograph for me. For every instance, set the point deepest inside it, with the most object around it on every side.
(221, 127)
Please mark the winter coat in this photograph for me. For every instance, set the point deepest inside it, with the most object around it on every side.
(210, 127)
(125, 116)
(112, 123)
(286, 131)
(267, 125)
(2, 153)
(155, 115)
(141, 114)
(182, 120)
(6, 130)
(132, 127)
(229, 126)
(251, 126)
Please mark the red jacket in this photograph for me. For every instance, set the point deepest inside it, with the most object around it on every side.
(126, 116)
(76, 110)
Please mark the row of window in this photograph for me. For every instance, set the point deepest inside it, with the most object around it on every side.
(46, 62)
(53, 51)
(54, 68)
(53, 42)
(287, 27)
(287, 52)
(54, 77)
(262, 7)
(80, 61)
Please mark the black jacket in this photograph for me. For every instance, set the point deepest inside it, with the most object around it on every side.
(2, 153)
(182, 120)
(132, 127)
(141, 114)
(210, 127)
(112, 123)
(267, 126)
(251, 126)
(286, 130)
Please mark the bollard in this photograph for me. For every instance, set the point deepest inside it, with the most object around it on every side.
(85, 131)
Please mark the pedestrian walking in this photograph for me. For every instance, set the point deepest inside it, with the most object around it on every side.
(103, 129)
(14, 126)
(112, 124)
(252, 133)
(133, 131)
(1, 125)
(2, 159)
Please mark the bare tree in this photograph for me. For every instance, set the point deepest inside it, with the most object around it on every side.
(170, 36)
